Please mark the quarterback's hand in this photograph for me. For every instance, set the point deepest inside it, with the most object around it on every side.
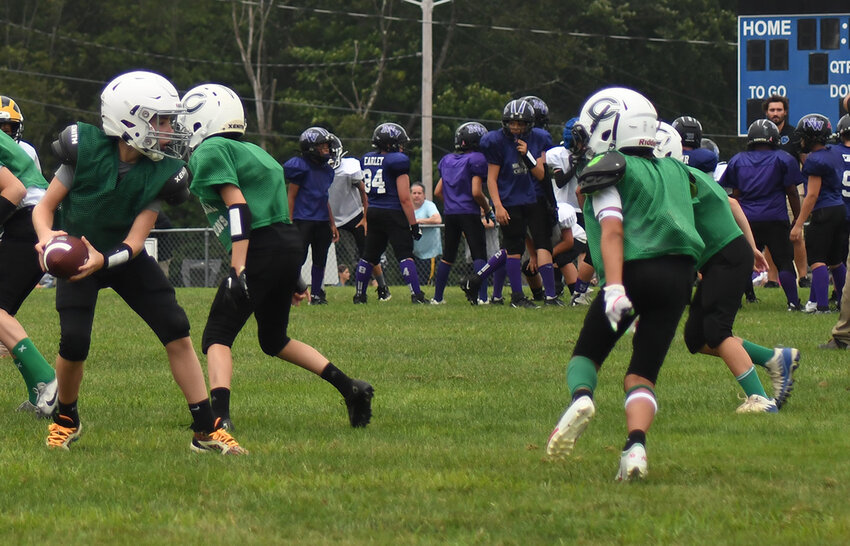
(617, 304)
(415, 231)
(236, 287)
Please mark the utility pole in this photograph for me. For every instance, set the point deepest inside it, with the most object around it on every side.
(427, 91)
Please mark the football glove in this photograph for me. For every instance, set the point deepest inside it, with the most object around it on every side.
(236, 288)
(415, 231)
(490, 216)
(617, 304)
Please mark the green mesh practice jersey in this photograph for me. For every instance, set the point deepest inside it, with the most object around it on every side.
(99, 205)
(220, 160)
(658, 217)
(713, 217)
(19, 163)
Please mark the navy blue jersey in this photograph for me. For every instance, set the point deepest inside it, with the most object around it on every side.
(380, 173)
(761, 178)
(516, 185)
(700, 158)
(830, 168)
(456, 171)
(313, 182)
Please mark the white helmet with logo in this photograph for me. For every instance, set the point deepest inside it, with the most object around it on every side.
(212, 109)
(615, 118)
(132, 102)
(669, 142)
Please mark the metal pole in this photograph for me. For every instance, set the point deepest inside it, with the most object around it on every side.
(427, 92)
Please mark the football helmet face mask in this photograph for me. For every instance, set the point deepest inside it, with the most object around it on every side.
(541, 111)
(615, 118)
(520, 111)
(812, 129)
(669, 142)
(11, 117)
(690, 129)
(212, 109)
(843, 127)
(133, 107)
(468, 136)
(310, 143)
(337, 152)
(389, 137)
(762, 131)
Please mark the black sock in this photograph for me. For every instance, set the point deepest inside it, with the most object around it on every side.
(581, 392)
(335, 377)
(635, 437)
(572, 287)
(66, 414)
(202, 416)
(220, 401)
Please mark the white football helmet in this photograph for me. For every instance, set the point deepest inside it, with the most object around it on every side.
(128, 106)
(613, 119)
(669, 142)
(212, 109)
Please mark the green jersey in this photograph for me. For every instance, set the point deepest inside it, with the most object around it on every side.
(102, 206)
(19, 163)
(713, 217)
(218, 161)
(658, 217)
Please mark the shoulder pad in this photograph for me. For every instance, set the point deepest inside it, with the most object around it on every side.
(602, 171)
(175, 191)
(65, 147)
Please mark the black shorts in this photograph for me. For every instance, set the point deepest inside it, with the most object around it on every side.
(514, 232)
(272, 270)
(718, 295)
(387, 226)
(19, 268)
(775, 236)
(317, 235)
(659, 316)
(826, 236)
(139, 282)
(358, 233)
(540, 223)
(468, 225)
(571, 255)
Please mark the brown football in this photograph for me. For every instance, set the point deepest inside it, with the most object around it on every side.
(64, 255)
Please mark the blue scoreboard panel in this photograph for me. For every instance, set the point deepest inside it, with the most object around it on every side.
(796, 49)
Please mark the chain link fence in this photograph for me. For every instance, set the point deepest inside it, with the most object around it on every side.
(195, 257)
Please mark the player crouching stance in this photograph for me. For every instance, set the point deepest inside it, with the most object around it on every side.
(641, 235)
(242, 190)
(109, 185)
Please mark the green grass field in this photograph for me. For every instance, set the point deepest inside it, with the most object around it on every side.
(465, 400)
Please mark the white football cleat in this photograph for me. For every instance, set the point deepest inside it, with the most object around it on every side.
(756, 403)
(569, 428)
(633, 464)
(47, 396)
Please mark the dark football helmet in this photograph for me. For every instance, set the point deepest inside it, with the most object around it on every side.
(567, 135)
(843, 127)
(389, 137)
(468, 136)
(309, 143)
(690, 130)
(541, 111)
(812, 129)
(337, 151)
(763, 131)
(517, 110)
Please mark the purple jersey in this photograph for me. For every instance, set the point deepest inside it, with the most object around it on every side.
(761, 177)
(829, 166)
(380, 173)
(701, 159)
(844, 153)
(457, 171)
(516, 185)
(313, 182)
